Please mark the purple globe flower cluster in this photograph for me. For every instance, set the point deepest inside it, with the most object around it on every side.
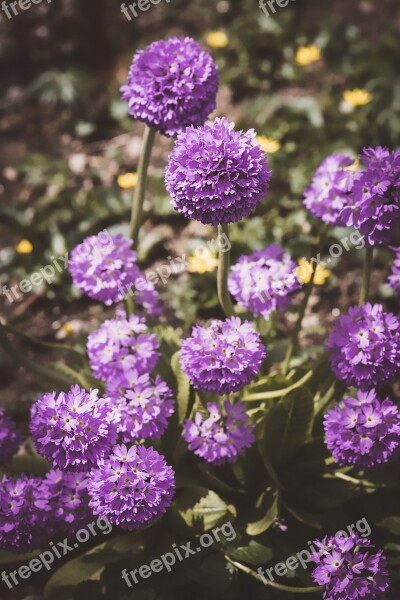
(220, 436)
(73, 430)
(171, 84)
(329, 191)
(108, 272)
(394, 279)
(10, 438)
(132, 488)
(120, 345)
(365, 346)
(363, 431)
(374, 206)
(144, 406)
(349, 569)
(263, 281)
(223, 357)
(215, 174)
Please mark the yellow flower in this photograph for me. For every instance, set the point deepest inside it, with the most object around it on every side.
(217, 39)
(354, 166)
(357, 97)
(68, 328)
(24, 247)
(203, 260)
(268, 145)
(305, 271)
(126, 181)
(306, 55)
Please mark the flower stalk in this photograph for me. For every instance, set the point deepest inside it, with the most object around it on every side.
(140, 189)
(223, 274)
(367, 271)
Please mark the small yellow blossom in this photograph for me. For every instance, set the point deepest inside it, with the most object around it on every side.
(203, 260)
(68, 328)
(127, 181)
(357, 97)
(268, 145)
(354, 166)
(24, 247)
(306, 55)
(217, 39)
(305, 271)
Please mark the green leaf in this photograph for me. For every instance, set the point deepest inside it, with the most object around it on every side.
(203, 509)
(73, 573)
(183, 388)
(392, 524)
(269, 511)
(286, 428)
(254, 553)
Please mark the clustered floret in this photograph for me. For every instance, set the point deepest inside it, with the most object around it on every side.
(349, 569)
(215, 174)
(10, 438)
(223, 357)
(263, 281)
(172, 84)
(220, 436)
(375, 196)
(73, 430)
(365, 346)
(144, 406)
(363, 431)
(329, 191)
(120, 345)
(394, 279)
(132, 488)
(107, 271)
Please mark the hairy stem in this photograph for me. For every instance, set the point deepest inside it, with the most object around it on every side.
(139, 191)
(368, 261)
(223, 273)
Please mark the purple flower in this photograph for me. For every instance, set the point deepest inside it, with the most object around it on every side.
(348, 569)
(223, 357)
(73, 430)
(263, 281)
(375, 197)
(144, 406)
(106, 270)
(365, 346)
(394, 279)
(171, 84)
(119, 346)
(215, 174)
(10, 438)
(329, 189)
(23, 513)
(132, 488)
(219, 436)
(68, 500)
(363, 431)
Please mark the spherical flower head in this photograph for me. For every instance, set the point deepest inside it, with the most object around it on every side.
(374, 206)
(120, 345)
(10, 438)
(104, 268)
(68, 500)
(73, 430)
(365, 346)
(363, 431)
(143, 404)
(329, 190)
(219, 436)
(394, 279)
(172, 84)
(263, 281)
(349, 569)
(223, 357)
(23, 513)
(215, 174)
(132, 488)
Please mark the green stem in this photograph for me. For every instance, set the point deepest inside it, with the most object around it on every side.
(41, 343)
(362, 482)
(29, 364)
(139, 191)
(223, 273)
(368, 261)
(278, 393)
(268, 582)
